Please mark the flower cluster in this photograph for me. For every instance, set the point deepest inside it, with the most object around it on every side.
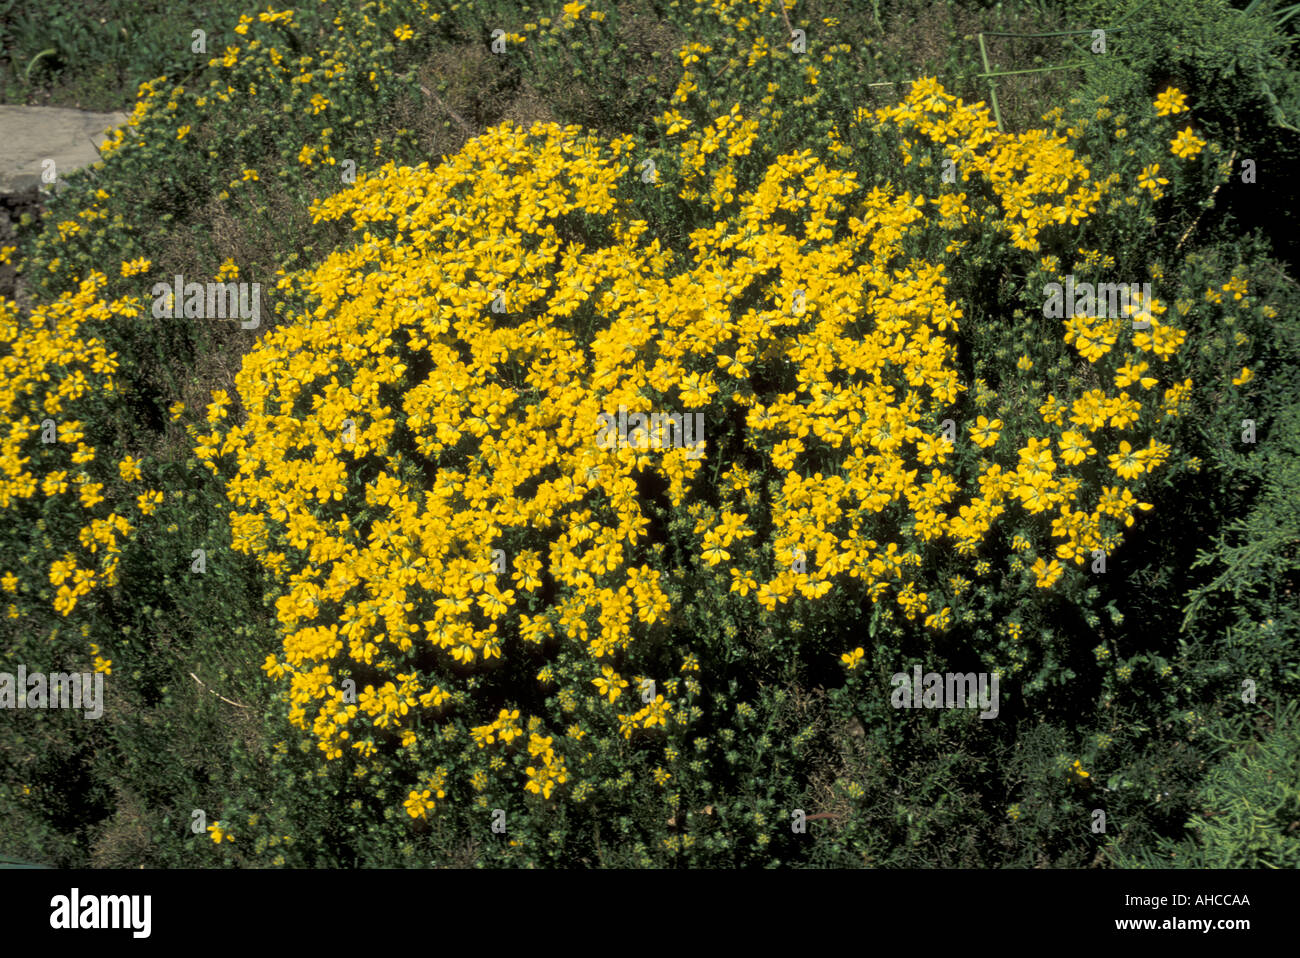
(417, 462)
(53, 372)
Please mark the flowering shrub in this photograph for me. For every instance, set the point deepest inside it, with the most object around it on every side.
(417, 461)
(55, 377)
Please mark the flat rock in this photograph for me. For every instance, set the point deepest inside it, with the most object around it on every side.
(30, 135)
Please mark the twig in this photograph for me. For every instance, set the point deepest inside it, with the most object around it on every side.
(1232, 160)
(786, 17)
(460, 121)
(1281, 272)
(216, 693)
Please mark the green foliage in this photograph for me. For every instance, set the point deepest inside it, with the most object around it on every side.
(1247, 810)
(92, 53)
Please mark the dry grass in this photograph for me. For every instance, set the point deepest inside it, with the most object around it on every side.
(125, 841)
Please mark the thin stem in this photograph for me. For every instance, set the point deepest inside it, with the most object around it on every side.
(993, 90)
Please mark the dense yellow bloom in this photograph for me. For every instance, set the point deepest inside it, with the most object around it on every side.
(467, 354)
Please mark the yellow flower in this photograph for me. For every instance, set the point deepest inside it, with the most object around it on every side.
(1131, 372)
(851, 659)
(1075, 447)
(676, 122)
(985, 433)
(1186, 144)
(1171, 101)
(1237, 286)
(1047, 573)
(612, 685)
(742, 582)
(217, 408)
(418, 803)
(90, 494)
(219, 834)
(1243, 377)
(129, 469)
(1127, 462)
(1150, 178)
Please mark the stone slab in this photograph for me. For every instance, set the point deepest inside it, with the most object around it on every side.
(30, 135)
